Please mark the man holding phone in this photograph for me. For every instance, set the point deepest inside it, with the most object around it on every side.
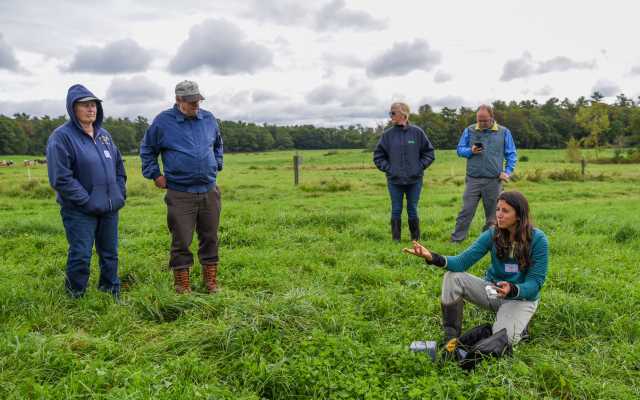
(491, 158)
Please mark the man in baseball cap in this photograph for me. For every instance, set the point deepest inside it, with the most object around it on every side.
(189, 142)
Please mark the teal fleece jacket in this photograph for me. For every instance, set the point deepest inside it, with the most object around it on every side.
(529, 282)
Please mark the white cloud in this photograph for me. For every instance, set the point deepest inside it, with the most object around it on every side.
(221, 47)
(8, 58)
(335, 16)
(442, 76)
(606, 88)
(138, 89)
(116, 57)
(403, 58)
(525, 66)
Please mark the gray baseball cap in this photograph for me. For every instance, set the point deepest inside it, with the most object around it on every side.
(188, 91)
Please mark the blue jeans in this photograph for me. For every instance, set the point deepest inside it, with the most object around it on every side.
(397, 193)
(82, 231)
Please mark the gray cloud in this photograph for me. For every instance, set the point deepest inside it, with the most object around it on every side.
(285, 12)
(446, 101)
(561, 64)
(441, 77)
(606, 88)
(220, 47)
(544, 91)
(262, 96)
(525, 66)
(403, 58)
(8, 58)
(323, 94)
(356, 93)
(332, 16)
(135, 90)
(335, 16)
(116, 57)
(518, 68)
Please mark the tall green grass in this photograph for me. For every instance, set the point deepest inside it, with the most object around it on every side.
(317, 302)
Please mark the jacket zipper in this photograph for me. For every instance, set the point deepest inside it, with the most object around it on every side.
(104, 167)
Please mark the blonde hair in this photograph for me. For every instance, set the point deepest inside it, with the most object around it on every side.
(403, 107)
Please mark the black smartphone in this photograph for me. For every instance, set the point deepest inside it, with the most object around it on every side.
(478, 144)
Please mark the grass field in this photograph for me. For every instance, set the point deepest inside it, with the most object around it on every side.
(317, 302)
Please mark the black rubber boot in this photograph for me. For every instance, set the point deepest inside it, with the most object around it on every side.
(414, 228)
(396, 225)
(452, 319)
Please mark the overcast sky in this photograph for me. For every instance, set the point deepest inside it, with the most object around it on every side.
(328, 62)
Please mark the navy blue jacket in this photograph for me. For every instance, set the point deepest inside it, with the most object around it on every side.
(191, 150)
(403, 153)
(87, 173)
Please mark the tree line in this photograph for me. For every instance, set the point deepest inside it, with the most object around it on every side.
(551, 124)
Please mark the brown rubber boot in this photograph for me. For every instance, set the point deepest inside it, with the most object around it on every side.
(181, 281)
(209, 277)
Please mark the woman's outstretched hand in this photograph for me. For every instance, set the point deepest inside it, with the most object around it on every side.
(419, 251)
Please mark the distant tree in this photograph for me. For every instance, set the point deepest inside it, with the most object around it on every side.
(596, 96)
(12, 139)
(573, 150)
(594, 119)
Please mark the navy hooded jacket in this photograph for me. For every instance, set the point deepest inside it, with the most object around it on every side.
(87, 173)
(190, 148)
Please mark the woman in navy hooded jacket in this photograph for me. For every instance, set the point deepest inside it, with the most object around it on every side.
(88, 175)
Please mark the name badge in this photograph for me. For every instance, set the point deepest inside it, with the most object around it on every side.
(512, 268)
(107, 154)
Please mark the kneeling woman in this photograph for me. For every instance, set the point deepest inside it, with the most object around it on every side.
(519, 258)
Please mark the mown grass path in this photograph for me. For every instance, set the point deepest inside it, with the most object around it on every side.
(317, 302)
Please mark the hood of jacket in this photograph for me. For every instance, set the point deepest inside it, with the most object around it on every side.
(77, 92)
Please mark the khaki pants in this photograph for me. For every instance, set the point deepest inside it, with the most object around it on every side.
(187, 212)
(513, 315)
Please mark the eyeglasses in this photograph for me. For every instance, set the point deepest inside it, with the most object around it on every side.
(392, 113)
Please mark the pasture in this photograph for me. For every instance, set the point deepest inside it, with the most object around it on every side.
(316, 300)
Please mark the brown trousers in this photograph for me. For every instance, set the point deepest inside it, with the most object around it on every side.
(186, 212)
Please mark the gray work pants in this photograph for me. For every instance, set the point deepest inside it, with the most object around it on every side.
(476, 188)
(513, 315)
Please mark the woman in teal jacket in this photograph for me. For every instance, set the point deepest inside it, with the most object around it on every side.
(511, 286)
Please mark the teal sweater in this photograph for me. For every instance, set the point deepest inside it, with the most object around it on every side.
(528, 282)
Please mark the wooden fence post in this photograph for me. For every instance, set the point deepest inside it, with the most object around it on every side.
(297, 160)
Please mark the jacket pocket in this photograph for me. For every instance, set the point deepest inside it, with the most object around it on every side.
(117, 197)
(98, 201)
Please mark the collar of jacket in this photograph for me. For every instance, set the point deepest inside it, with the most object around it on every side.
(494, 127)
(181, 117)
(404, 128)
